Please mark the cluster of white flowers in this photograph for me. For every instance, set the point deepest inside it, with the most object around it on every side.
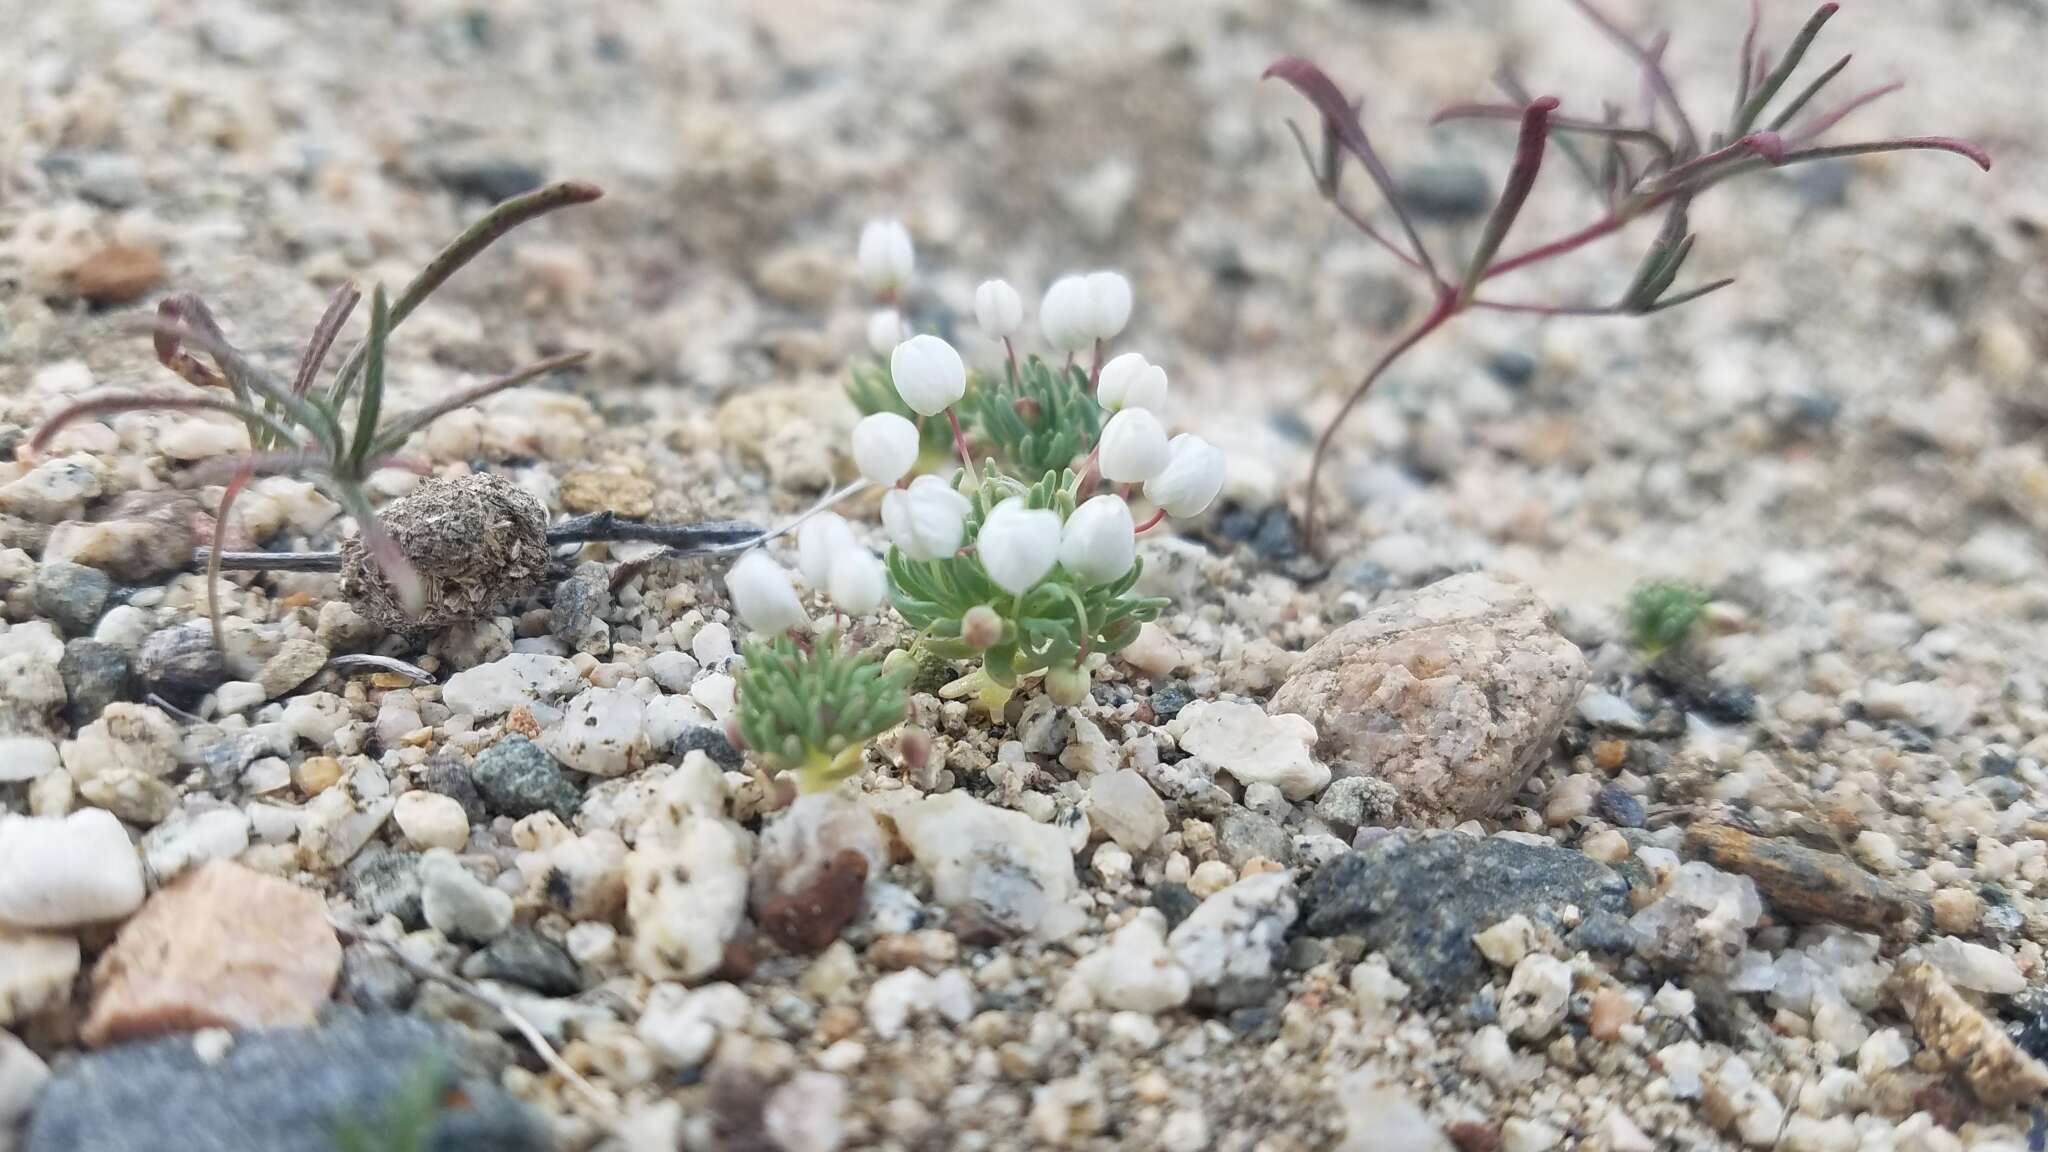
(1019, 546)
(830, 560)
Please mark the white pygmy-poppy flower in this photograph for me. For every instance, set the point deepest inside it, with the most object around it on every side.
(1018, 545)
(886, 255)
(929, 374)
(927, 520)
(1099, 542)
(818, 541)
(859, 582)
(1109, 304)
(1133, 447)
(763, 595)
(1192, 477)
(1131, 381)
(1063, 314)
(885, 330)
(885, 447)
(998, 308)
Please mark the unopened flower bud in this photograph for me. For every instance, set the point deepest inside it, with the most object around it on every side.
(859, 582)
(1131, 381)
(763, 595)
(928, 373)
(1068, 686)
(886, 255)
(1191, 479)
(1099, 542)
(981, 628)
(1109, 304)
(885, 330)
(1063, 314)
(1018, 545)
(1133, 448)
(819, 541)
(927, 520)
(885, 448)
(998, 309)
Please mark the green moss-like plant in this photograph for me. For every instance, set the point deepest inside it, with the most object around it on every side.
(1662, 615)
(810, 709)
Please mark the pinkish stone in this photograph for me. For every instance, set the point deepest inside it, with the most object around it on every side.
(223, 948)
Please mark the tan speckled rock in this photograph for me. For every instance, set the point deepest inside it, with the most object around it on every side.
(36, 972)
(224, 948)
(1997, 1070)
(1451, 695)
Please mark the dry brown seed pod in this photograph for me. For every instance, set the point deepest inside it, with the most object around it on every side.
(477, 540)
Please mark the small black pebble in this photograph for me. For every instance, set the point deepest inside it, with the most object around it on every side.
(1168, 701)
(712, 743)
(1175, 902)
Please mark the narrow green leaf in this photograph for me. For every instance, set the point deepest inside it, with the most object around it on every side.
(373, 383)
(1768, 90)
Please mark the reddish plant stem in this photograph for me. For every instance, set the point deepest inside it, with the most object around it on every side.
(1010, 354)
(1768, 145)
(960, 441)
(1090, 471)
(1153, 522)
(1605, 226)
(1446, 307)
(1095, 368)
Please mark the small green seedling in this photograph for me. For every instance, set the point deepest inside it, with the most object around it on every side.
(809, 709)
(1662, 615)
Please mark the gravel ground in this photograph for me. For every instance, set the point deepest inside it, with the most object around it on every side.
(1420, 853)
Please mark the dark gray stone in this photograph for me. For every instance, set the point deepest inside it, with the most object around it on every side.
(1512, 367)
(227, 758)
(73, 595)
(373, 981)
(491, 180)
(1168, 701)
(1175, 902)
(517, 778)
(95, 675)
(579, 602)
(1242, 834)
(180, 664)
(1603, 932)
(526, 958)
(712, 743)
(284, 1090)
(452, 779)
(386, 882)
(1619, 807)
(1420, 898)
(1446, 193)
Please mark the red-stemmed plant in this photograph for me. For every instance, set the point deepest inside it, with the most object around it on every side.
(1657, 163)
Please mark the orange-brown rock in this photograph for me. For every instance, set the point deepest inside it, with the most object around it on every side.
(223, 948)
(118, 274)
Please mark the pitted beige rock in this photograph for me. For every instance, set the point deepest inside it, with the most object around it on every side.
(1451, 695)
